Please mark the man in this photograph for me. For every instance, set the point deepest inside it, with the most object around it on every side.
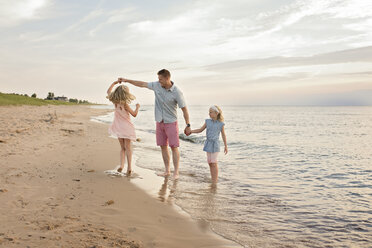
(167, 97)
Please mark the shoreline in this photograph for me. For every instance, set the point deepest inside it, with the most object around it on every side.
(53, 189)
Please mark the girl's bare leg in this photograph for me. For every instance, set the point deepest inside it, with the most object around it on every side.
(122, 154)
(214, 172)
(128, 149)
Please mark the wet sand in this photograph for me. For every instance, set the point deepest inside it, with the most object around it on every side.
(54, 192)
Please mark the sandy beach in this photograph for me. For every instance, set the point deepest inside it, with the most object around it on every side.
(54, 193)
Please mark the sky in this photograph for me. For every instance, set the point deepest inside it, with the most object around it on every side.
(224, 52)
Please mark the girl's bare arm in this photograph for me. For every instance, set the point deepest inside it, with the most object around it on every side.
(224, 138)
(131, 111)
(199, 130)
(111, 86)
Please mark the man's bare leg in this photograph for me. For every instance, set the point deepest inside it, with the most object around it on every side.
(176, 162)
(166, 158)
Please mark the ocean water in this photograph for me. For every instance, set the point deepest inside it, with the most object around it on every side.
(293, 177)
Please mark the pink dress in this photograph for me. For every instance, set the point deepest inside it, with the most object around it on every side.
(122, 127)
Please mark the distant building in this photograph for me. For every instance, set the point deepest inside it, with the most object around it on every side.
(61, 98)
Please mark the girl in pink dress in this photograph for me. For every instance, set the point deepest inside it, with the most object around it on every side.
(122, 127)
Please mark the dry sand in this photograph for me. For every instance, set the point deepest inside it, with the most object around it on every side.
(53, 192)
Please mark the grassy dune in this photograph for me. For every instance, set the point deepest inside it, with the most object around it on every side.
(13, 99)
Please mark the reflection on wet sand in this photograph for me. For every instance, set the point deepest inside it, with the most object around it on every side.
(208, 207)
(166, 194)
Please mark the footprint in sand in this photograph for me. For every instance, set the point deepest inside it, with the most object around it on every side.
(115, 173)
(110, 202)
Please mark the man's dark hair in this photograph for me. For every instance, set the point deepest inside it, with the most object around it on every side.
(165, 73)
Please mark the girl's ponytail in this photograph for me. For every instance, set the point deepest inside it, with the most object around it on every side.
(219, 115)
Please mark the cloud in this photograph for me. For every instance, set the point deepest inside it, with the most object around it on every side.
(113, 17)
(362, 73)
(14, 12)
(220, 32)
(300, 28)
(77, 26)
(351, 9)
(291, 14)
(363, 54)
(332, 9)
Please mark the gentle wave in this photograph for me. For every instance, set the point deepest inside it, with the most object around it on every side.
(192, 138)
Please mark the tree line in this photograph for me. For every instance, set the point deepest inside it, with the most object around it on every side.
(51, 96)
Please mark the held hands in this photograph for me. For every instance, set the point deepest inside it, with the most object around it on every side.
(122, 80)
(187, 131)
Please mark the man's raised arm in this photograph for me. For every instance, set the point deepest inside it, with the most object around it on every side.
(134, 82)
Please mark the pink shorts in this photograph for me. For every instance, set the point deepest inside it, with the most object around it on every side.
(212, 157)
(167, 132)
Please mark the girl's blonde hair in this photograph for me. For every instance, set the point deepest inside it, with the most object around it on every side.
(219, 115)
(121, 95)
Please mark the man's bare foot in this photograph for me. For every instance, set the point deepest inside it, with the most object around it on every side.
(120, 169)
(163, 174)
(129, 172)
